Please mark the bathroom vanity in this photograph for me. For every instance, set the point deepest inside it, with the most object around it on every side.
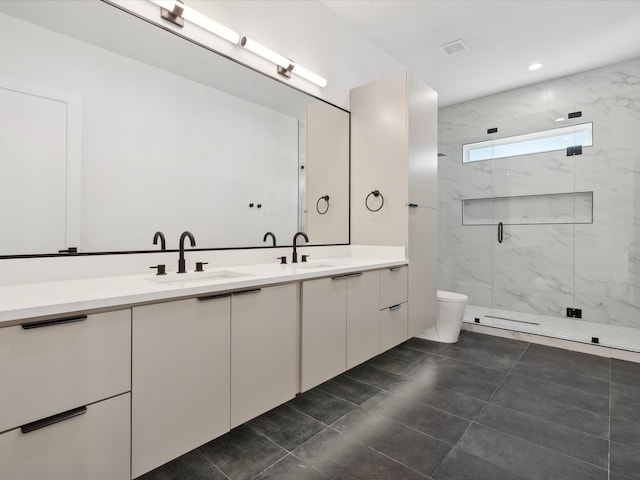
(108, 378)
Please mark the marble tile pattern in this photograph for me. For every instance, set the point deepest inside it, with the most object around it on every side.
(543, 269)
(485, 408)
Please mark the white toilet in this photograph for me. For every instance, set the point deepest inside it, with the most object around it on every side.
(451, 307)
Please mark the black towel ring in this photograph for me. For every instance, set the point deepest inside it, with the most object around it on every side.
(375, 193)
(326, 199)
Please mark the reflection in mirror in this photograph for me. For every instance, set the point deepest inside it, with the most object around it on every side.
(139, 130)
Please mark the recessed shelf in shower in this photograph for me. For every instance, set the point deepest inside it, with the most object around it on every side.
(551, 208)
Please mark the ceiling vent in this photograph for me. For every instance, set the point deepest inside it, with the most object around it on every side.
(454, 47)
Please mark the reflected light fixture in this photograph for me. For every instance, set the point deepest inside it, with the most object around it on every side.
(177, 12)
(285, 65)
(535, 66)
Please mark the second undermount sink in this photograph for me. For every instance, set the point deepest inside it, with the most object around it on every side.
(318, 264)
(194, 277)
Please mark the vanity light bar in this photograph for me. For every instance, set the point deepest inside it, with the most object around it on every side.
(285, 66)
(309, 75)
(266, 53)
(179, 10)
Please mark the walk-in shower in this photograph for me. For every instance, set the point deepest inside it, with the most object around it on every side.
(539, 207)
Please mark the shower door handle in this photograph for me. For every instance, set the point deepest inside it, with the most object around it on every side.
(500, 232)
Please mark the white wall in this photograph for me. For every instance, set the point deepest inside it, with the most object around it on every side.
(304, 31)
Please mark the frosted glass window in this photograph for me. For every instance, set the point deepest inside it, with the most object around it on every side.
(529, 143)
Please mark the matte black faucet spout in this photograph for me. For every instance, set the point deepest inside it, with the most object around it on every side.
(163, 242)
(294, 257)
(181, 262)
(269, 234)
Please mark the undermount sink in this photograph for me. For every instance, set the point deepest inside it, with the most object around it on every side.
(194, 277)
(316, 265)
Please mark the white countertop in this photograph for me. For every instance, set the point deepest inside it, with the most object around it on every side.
(34, 300)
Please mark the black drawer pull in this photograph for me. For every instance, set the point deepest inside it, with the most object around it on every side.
(395, 307)
(347, 275)
(396, 269)
(49, 323)
(213, 297)
(53, 419)
(246, 292)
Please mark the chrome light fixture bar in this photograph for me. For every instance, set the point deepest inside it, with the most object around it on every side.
(177, 12)
(285, 65)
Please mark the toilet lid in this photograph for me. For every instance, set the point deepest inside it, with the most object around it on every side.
(444, 296)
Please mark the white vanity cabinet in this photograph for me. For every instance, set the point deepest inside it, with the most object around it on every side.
(393, 307)
(49, 367)
(180, 378)
(339, 325)
(90, 442)
(363, 334)
(264, 350)
(64, 407)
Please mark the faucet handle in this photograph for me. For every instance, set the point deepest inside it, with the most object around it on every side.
(304, 258)
(283, 260)
(161, 269)
(200, 265)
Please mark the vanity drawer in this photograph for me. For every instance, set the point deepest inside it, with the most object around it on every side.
(52, 367)
(94, 444)
(393, 286)
(393, 326)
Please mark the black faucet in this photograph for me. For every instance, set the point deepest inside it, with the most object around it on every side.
(269, 234)
(294, 257)
(163, 242)
(181, 262)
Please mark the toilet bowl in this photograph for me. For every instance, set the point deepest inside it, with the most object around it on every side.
(451, 307)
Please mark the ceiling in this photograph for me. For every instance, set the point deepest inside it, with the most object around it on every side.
(503, 37)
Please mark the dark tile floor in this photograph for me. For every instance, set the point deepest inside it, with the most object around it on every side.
(483, 408)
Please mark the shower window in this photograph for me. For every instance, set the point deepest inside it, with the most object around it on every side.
(529, 143)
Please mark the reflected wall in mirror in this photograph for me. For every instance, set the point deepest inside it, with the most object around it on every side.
(137, 130)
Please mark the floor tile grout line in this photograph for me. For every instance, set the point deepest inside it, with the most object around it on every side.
(371, 447)
(289, 452)
(391, 392)
(479, 412)
(320, 421)
(313, 468)
(549, 449)
(474, 422)
(540, 419)
(541, 379)
(208, 460)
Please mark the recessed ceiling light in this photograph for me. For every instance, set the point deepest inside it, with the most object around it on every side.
(535, 66)
(560, 119)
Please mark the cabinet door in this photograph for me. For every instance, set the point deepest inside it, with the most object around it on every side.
(93, 445)
(264, 347)
(393, 326)
(379, 161)
(51, 367)
(423, 269)
(363, 331)
(180, 379)
(422, 103)
(324, 330)
(393, 286)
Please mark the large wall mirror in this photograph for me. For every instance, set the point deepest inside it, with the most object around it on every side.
(113, 128)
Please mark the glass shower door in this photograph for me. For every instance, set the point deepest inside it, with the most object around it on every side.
(533, 217)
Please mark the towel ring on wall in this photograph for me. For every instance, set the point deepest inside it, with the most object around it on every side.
(326, 199)
(375, 193)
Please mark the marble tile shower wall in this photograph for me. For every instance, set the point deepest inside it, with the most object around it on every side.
(543, 269)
